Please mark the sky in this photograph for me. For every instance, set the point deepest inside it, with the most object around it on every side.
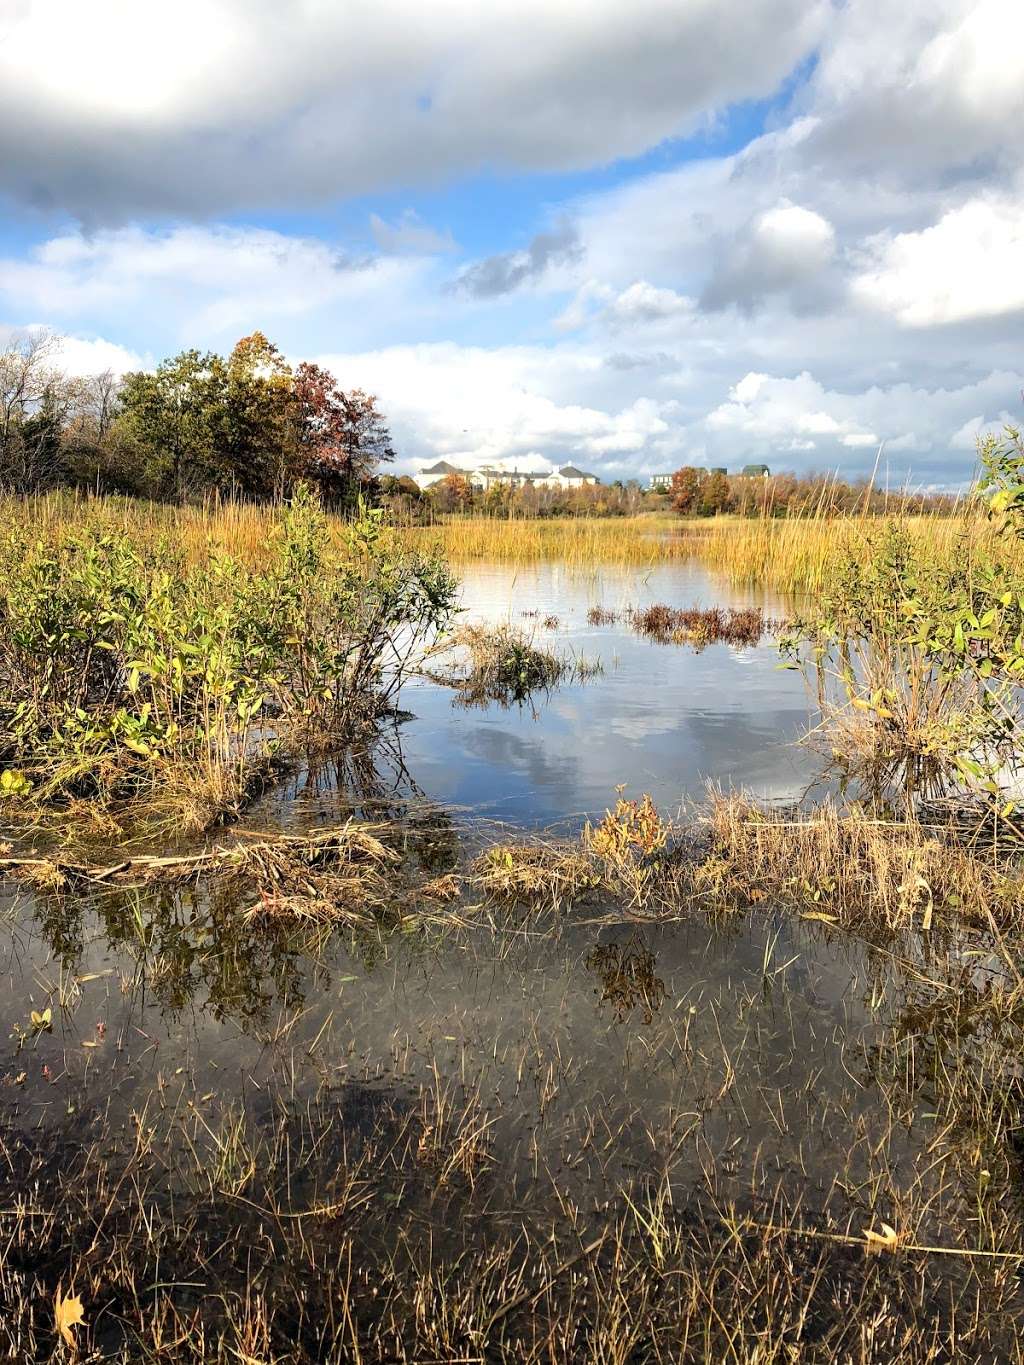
(629, 236)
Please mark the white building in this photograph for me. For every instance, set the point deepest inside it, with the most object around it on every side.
(485, 476)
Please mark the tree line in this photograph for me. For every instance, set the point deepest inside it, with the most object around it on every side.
(706, 493)
(247, 424)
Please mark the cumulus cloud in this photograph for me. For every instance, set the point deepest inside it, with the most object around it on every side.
(227, 104)
(775, 416)
(784, 249)
(919, 87)
(83, 356)
(970, 264)
(505, 403)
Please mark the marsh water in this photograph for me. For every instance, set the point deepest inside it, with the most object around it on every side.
(455, 1093)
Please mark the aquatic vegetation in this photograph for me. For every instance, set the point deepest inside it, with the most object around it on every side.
(853, 867)
(701, 626)
(542, 875)
(601, 616)
(131, 678)
(502, 664)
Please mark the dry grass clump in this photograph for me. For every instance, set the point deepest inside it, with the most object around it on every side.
(542, 876)
(847, 865)
(347, 873)
(700, 626)
(503, 664)
(601, 616)
(622, 856)
(326, 879)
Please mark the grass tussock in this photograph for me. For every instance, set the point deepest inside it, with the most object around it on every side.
(854, 868)
(624, 856)
(701, 626)
(505, 665)
(839, 865)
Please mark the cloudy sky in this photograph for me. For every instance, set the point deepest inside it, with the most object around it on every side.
(630, 235)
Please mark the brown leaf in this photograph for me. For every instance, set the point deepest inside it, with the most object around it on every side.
(68, 1313)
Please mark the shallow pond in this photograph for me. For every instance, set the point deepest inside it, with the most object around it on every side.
(510, 1139)
(661, 718)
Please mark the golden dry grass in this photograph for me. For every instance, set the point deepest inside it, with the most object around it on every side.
(846, 865)
(798, 555)
(794, 556)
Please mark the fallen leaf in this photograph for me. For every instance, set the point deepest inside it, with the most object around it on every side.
(886, 1240)
(819, 915)
(42, 1020)
(67, 1313)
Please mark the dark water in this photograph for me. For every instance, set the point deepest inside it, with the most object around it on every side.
(503, 1077)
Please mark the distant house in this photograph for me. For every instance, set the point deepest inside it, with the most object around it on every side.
(571, 477)
(483, 477)
(436, 472)
(661, 483)
(754, 471)
(718, 469)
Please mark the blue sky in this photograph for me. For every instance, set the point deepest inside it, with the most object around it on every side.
(630, 237)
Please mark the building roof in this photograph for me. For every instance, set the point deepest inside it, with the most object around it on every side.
(569, 471)
(443, 467)
(754, 469)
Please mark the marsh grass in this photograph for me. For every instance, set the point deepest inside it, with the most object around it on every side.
(702, 626)
(505, 665)
(856, 868)
(798, 556)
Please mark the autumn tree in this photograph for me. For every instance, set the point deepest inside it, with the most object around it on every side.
(341, 437)
(453, 493)
(716, 495)
(258, 431)
(687, 490)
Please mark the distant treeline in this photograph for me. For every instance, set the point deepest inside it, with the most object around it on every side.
(703, 493)
(247, 424)
(454, 493)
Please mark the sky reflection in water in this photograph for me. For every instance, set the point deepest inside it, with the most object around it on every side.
(661, 718)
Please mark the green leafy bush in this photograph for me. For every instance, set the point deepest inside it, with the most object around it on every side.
(124, 667)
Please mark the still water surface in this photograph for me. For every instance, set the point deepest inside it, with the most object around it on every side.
(661, 718)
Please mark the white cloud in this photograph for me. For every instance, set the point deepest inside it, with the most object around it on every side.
(243, 102)
(214, 283)
(76, 355)
(782, 250)
(919, 87)
(501, 404)
(970, 264)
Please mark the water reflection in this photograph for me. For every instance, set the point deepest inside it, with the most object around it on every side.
(628, 980)
(662, 720)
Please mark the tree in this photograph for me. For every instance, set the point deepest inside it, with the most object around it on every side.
(342, 436)
(35, 400)
(687, 490)
(173, 421)
(452, 493)
(715, 494)
(259, 431)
